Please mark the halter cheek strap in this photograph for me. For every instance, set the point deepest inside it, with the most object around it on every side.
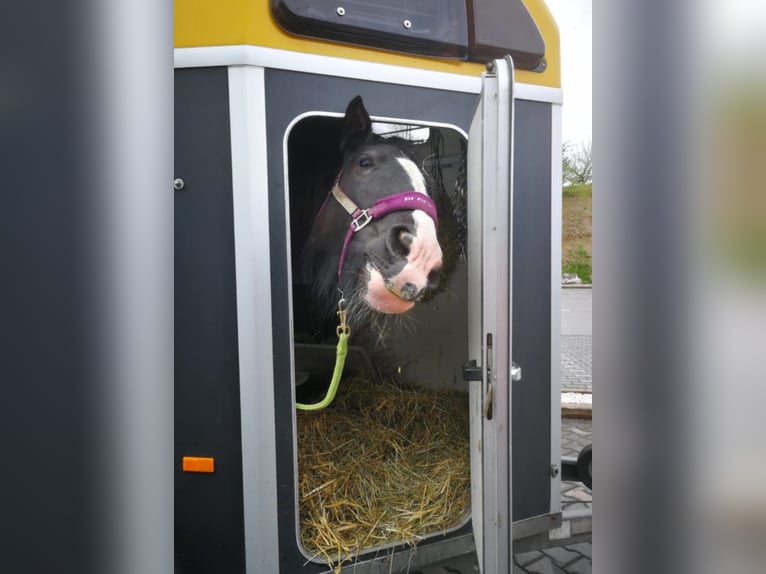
(360, 218)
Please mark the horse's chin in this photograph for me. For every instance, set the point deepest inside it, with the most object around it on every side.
(379, 298)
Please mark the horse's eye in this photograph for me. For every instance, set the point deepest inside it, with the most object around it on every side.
(365, 161)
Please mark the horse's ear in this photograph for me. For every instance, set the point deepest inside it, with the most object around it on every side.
(357, 126)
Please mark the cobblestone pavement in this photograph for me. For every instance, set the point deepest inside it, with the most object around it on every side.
(573, 559)
(576, 363)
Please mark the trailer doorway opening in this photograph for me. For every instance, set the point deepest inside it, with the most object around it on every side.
(399, 426)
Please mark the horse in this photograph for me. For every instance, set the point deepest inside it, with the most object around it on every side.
(374, 240)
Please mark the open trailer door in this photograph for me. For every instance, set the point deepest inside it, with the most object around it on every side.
(490, 193)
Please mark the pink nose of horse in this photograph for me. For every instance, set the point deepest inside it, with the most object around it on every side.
(423, 261)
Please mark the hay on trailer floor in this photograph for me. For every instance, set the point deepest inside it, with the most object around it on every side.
(383, 465)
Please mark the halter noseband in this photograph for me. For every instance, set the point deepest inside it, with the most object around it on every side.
(405, 201)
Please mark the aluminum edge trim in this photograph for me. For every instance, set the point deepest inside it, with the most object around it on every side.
(286, 174)
(556, 210)
(247, 115)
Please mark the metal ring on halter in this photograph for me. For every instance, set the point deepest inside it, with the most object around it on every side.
(365, 217)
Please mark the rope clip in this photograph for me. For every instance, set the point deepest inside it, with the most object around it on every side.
(342, 328)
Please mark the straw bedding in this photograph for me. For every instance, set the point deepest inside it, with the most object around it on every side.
(384, 464)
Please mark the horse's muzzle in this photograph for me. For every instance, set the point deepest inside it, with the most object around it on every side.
(422, 255)
(383, 295)
(406, 292)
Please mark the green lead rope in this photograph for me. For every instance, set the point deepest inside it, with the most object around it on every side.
(341, 350)
(340, 360)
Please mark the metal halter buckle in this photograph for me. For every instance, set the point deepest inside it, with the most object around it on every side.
(363, 215)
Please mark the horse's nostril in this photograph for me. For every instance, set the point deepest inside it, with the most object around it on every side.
(434, 277)
(400, 240)
(409, 291)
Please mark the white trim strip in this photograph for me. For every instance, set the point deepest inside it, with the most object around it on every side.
(245, 55)
(556, 304)
(247, 115)
(535, 93)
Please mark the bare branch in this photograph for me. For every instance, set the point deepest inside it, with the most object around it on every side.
(577, 163)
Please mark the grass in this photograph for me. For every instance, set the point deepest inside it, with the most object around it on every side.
(576, 235)
(578, 260)
(578, 190)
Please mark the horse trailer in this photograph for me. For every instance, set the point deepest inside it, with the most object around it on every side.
(260, 93)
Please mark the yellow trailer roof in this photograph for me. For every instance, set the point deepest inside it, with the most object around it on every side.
(201, 23)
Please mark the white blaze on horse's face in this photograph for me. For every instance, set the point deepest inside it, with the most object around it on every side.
(394, 294)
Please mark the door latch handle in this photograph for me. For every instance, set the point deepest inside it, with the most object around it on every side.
(488, 402)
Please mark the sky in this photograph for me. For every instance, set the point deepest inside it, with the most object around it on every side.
(575, 27)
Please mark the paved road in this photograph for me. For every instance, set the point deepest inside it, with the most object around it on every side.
(576, 364)
(576, 311)
(576, 339)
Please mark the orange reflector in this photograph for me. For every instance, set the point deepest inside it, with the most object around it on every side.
(198, 464)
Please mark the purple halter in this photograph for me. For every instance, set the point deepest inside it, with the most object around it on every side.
(405, 201)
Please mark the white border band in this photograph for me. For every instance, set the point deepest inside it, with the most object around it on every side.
(556, 199)
(286, 173)
(246, 55)
(247, 114)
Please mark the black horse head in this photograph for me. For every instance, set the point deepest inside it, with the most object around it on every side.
(375, 237)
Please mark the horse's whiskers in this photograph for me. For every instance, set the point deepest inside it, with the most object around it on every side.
(361, 315)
